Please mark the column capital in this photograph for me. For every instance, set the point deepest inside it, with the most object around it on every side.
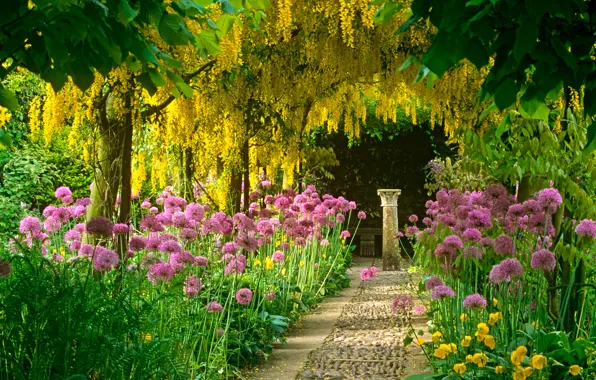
(389, 197)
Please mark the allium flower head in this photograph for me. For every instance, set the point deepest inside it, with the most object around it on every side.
(504, 245)
(472, 234)
(452, 243)
(550, 199)
(121, 228)
(324, 242)
(587, 228)
(244, 296)
(137, 243)
(475, 301)
(30, 225)
(365, 274)
(146, 204)
(411, 231)
(98, 225)
(345, 234)
(480, 218)
(270, 295)
(105, 259)
(72, 235)
(278, 257)
(160, 272)
(506, 270)
(201, 261)
(213, 307)
(373, 271)
(170, 246)
(63, 192)
(442, 291)
(361, 215)
(402, 304)
(544, 259)
(419, 310)
(413, 218)
(433, 282)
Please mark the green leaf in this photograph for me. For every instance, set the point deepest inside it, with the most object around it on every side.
(422, 376)
(125, 12)
(5, 140)
(82, 75)
(526, 37)
(147, 83)
(476, 53)
(411, 59)
(385, 13)
(422, 73)
(192, 8)
(227, 7)
(211, 24)
(156, 77)
(133, 64)
(506, 94)
(172, 29)
(490, 109)
(565, 54)
(406, 25)
(224, 24)
(56, 77)
(207, 43)
(591, 140)
(180, 83)
(472, 3)
(440, 57)
(258, 4)
(170, 61)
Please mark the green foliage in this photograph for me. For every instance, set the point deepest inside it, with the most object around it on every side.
(463, 174)
(11, 213)
(538, 47)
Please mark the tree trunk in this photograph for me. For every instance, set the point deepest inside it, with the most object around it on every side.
(188, 175)
(246, 172)
(235, 190)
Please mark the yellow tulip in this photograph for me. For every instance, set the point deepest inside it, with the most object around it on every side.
(437, 336)
(538, 362)
(499, 369)
(480, 359)
(459, 368)
(518, 355)
(465, 342)
(419, 341)
(574, 370)
(464, 317)
(490, 342)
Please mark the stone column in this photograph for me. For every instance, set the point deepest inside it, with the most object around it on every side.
(390, 227)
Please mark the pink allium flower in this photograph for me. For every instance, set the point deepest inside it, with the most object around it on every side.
(487, 242)
(153, 210)
(345, 234)
(98, 225)
(550, 199)
(270, 295)
(516, 210)
(373, 271)
(244, 296)
(505, 271)
(413, 218)
(441, 291)
(170, 246)
(278, 257)
(86, 250)
(361, 215)
(365, 274)
(427, 221)
(192, 286)
(324, 242)
(235, 266)
(544, 259)
(48, 211)
(586, 227)
(83, 202)
(419, 310)
(411, 231)
(340, 218)
(67, 200)
(137, 243)
(266, 184)
(246, 241)
(75, 246)
(121, 228)
(160, 272)
(452, 243)
(62, 192)
(475, 302)
(30, 224)
(52, 224)
(352, 205)
(179, 219)
(433, 282)
(284, 246)
(188, 234)
(213, 307)
(504, 245)
(105, 259)
(230, 247)
(402, 304)
(265, 227)
(146, 204)
(72, 235)
(201, 261)
(472, 234)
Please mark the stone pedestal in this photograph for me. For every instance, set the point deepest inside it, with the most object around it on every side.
(389, 199)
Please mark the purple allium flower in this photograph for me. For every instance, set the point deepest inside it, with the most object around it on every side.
(98, 225)
(137, 243)
(75, 246)
(48, 211)
(121, 228)
(411, 231)
(278, 257)
(105, 259)
(345, 234)
(235, 266)
(150, 223)
(532, 206)
(188, 234)
(213, 307)
(265, 227)
(146, 204)
(170, 246)
(427, 221)
(244, 296)
(441, 291)
(30, 224)
(487, 242)
(52, 224)
(516, 210)
(413, 218)
(340, 218)
(505, 271)
(480, 218)
(474, 301)
(63, 192)
(246, 241)
(201, 261)
(504, 245)
(365, 274)
(270, 295)
(472, 234)
(284, 246)
(550, 199)
(402, 304)
(419, 310)
(72, 235)
(86, 250)
(179, 219)
(324, 242)
(433, 282)
(160, 272)
(452, 243)
(544, 259)
(192, 286)
(361, 215)
(373, 271)
(153, 243)
(67, 200)
(586, 227)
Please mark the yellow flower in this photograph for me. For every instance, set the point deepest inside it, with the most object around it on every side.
(268, 263)
(147, 337)
(441, 353)
(574, 370)
(464, 317)
(459, 368)
(283, 272)
(277, 243)
(469, 359)
(535, 324)
(301, 263)
(451, 347)
(495, 302)
(494, 317)
(466, 341)
(490, 342)
(482, 331)
(324, 256)
(419, 341)
(499, 369)
(480, 359)
(257, 263)
(538, 362)
(437, 336)
(519, 374)
(518, 355)
(528, 371)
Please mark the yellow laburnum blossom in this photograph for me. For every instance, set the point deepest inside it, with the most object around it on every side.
(465, 342)
(464, 317)
(538, 361)
(494, 318)
(480, 359)
(459, 368)
(419, 341)
(574, 370)
(518, 355)
(437, 336)
(499, 369)
(490, 342)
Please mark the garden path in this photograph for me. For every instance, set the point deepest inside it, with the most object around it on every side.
(352, 336)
